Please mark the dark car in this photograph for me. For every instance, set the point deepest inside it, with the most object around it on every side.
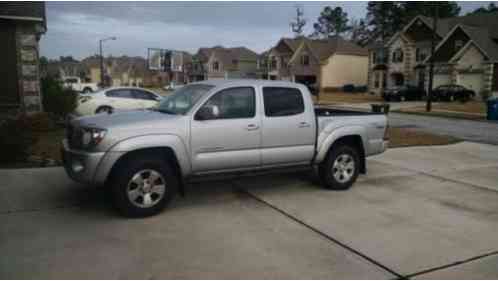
(452, 92)
(403, 93)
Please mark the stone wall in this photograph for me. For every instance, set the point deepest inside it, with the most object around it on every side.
(27, 37)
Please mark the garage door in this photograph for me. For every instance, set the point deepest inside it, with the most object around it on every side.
(441, 79)
(471, 81)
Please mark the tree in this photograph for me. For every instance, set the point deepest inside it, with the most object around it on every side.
(386, 18)
(331, 22)
(383, 18)
(446, 9)
(299, 22)
(358, 32)
(492, 8)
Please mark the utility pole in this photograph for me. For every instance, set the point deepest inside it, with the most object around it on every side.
(102, 59)
(428, 106)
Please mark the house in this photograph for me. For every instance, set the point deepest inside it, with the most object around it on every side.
(466, 54)
(328, 63)
(21, 24)
(221, 62)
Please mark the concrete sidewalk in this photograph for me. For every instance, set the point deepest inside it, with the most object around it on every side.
(421, 212)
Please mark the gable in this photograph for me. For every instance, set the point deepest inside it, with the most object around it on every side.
(448, 49)
(418, 31)
(471, 57)
(282, 47)
(304, 49)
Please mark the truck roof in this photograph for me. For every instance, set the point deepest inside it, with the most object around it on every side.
(245, 82)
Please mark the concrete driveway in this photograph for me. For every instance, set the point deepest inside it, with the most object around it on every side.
(421, 212)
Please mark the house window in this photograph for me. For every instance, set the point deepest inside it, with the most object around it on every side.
(374, 57)
(216, 66)
(377, 80)
(235, 62)
(305, 60)
(273, 63)
(397, 55)
(458, 45)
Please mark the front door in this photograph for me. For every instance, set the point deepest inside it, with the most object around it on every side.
(230, 138)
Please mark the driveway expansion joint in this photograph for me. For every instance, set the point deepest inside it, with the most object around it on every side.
(319, 232)
(451, 264)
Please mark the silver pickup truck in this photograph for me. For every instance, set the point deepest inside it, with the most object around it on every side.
(218, 126)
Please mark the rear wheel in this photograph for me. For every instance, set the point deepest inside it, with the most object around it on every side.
(340, 169)
(144, 186)
(87, 90)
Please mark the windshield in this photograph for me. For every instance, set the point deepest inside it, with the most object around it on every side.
(183, 99)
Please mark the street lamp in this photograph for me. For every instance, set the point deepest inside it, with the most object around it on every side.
(102, 58)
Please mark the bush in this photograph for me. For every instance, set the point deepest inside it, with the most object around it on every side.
(361, 89)
(16, 137)
(348, 88)
(57, 100)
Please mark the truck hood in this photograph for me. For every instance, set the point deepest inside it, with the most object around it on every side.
(139, 120)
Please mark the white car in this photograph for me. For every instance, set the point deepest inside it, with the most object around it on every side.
(116, 98)
(77, 85)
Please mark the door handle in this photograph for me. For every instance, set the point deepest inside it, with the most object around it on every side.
(304, 125)
(252, 127)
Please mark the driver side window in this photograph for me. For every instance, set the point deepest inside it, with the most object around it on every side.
(232, 103)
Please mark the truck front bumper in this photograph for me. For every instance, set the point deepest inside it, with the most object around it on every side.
(81, 166)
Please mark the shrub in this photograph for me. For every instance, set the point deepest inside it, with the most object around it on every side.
(361, 89)
(16, 137)
(348, 88)
(57, 100)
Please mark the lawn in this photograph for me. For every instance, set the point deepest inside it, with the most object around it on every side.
(474, 110)
(402, 137)
(341, 97)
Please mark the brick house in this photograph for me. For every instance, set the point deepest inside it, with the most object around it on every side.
(21, 26)
(466, 54)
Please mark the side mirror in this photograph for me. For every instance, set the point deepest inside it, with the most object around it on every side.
(207, 113)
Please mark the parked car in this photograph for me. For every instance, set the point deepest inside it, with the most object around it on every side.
(452, 93)
(403, 93)
(77, 85)
(116, 98)
(218, 126)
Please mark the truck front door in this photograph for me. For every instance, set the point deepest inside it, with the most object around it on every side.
(230, 138)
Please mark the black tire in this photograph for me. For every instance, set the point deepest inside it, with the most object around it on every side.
(87, 90)
(121, 180)
(104, 109)
(326, 168)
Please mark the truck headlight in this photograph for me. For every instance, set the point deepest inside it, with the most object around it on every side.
(92, 136)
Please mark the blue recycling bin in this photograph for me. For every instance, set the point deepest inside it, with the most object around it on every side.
(492, 105)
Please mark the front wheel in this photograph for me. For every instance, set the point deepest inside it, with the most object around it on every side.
(340, 169)
(144, 186)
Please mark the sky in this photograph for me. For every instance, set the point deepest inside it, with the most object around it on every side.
(74, 28)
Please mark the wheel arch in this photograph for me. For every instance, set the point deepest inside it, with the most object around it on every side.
(170, 146)
(354, 137)
(165, 152)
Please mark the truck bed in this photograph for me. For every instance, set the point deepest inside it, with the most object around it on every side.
(334, 111)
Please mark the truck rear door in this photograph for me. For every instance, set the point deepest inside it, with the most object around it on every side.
(288, 132)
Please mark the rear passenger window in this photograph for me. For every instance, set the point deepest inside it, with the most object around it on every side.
(120, 93)
(280, 101)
